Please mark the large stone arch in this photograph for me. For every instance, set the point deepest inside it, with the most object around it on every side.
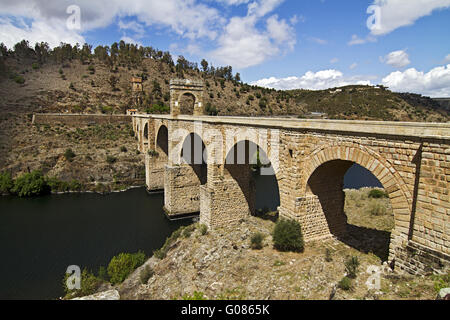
(238, 177)
(399, 195)
(254, 136)
(369, 159)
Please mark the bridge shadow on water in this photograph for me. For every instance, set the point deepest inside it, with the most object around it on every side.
(368, 240)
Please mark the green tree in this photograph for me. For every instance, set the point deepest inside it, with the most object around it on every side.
(123, 265)
(6, 182)
(204, 65)
(31, 184)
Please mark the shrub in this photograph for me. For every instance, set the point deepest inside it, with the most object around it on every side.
(111, 159)
(351, 266)
(287, 236)
(256, 241)
(91, 68)
(377, 194)
(195, 296)
(89, 285)
(103, 273)
(152, 153)
(123, 149)
(377, 209)
(69, 155)
(19, 79)
(441, 282)
(6, 182)
(31, 184)
(345, 284)
(35, 66)
(188, 231)
(203, 229)
(146, 274)
(122, 265)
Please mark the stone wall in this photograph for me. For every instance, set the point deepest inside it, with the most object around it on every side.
(181, 190)
(80, 120)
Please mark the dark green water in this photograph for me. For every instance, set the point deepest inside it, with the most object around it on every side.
(40, 237)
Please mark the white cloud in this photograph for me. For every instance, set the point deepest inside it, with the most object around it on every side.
(243, 45)
(398, 13)
(234, 2)
(12, 32)
(397, 59)
(240, 41)
(318, 40)
(357, 40)
(435, 83)
(334, 60)
(353, 66)
(313, 81)
(447, 58)
(187, 18)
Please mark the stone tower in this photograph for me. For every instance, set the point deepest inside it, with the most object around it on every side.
(137, 91)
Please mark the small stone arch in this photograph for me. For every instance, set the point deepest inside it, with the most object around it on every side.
(179, 88)
(146, 131)
(162, 140)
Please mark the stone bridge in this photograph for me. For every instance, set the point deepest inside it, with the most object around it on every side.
(204, 165)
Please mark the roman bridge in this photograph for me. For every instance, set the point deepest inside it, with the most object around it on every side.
(203, 165)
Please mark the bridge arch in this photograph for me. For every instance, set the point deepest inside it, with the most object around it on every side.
(146, 131)
(162, 140)
(366, 158)
(331, 163)
(239, 160)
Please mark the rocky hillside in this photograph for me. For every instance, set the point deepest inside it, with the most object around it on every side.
(81, 80)
(222, 265)
(73, 79)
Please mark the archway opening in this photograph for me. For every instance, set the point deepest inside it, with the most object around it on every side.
(194, 154)
(355, 205)
(162, 140)
(146, 131)
(253, 178)
(187, 104)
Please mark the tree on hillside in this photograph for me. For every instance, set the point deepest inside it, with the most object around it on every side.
(204, 64)
(42, 51)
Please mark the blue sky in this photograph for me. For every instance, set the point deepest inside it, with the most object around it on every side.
(285, 44)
